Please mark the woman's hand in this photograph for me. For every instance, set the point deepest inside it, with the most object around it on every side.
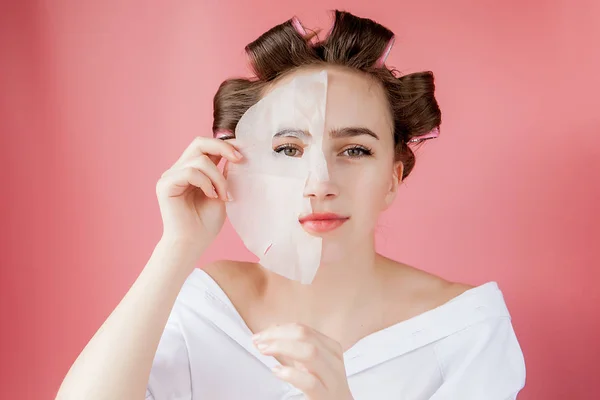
(314, 363)
(192, 192)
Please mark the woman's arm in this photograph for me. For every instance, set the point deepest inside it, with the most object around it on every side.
(116, 362)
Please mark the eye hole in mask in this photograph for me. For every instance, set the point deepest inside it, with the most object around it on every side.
(289, 150)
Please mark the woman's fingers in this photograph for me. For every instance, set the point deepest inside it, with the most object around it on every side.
(317, 366)
(299, 351)
(303, 380)
(177, 181)
(213, 148)
(312, 357)
(209, 170)
(300, 332)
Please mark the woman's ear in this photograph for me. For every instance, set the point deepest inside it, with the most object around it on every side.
(394, 184)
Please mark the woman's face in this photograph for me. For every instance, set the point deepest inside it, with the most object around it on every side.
(358, 147)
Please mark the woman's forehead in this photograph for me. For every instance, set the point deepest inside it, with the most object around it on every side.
(353, 98)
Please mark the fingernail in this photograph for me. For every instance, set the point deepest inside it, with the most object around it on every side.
(229, 197)
(256, 337)
(214, 194)
(237, 154)
(276, 369)
(262, 346)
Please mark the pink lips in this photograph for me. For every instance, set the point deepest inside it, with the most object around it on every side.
(322, 222)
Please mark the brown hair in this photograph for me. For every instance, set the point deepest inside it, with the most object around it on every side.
(354, 42)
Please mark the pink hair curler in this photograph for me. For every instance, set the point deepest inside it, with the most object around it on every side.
(298, 26)
(435, 132)
(223, 134)
(330, 29)
(381, 60)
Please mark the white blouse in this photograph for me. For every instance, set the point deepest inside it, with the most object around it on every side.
(465, 349)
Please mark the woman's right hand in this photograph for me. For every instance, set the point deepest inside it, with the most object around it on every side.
(191, 194)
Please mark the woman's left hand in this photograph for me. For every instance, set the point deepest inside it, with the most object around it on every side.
(316, 362)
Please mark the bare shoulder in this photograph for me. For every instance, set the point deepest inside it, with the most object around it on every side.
(422, 289)
(439, 291)
(238, 279)
(223, 269)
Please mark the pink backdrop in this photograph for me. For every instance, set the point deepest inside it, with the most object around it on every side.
(98, 98)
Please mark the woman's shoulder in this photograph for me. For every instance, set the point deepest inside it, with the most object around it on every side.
(422, 289)
(240, 280)
(458, 311)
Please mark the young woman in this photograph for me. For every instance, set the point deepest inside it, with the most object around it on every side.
(367, 327)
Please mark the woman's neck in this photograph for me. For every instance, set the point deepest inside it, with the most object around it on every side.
(342, 290)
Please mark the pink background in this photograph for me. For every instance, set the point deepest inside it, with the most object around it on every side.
(98, 98)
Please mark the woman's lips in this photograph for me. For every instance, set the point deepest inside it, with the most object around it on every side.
(322, 222)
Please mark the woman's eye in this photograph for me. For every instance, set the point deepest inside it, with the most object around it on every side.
(357, 152)
(295, 151)
(289, 151)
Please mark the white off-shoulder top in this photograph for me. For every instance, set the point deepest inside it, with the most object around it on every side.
(465, 349)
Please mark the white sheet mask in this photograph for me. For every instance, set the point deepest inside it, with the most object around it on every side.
(268, 187)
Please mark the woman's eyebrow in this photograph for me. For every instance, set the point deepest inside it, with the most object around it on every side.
(351, 132)
(336, 133)
(297, 133)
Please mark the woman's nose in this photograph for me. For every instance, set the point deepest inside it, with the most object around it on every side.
(320, 188)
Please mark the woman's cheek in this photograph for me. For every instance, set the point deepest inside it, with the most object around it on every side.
(370, 191)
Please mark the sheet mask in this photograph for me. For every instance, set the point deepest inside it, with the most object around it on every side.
(268, 187)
